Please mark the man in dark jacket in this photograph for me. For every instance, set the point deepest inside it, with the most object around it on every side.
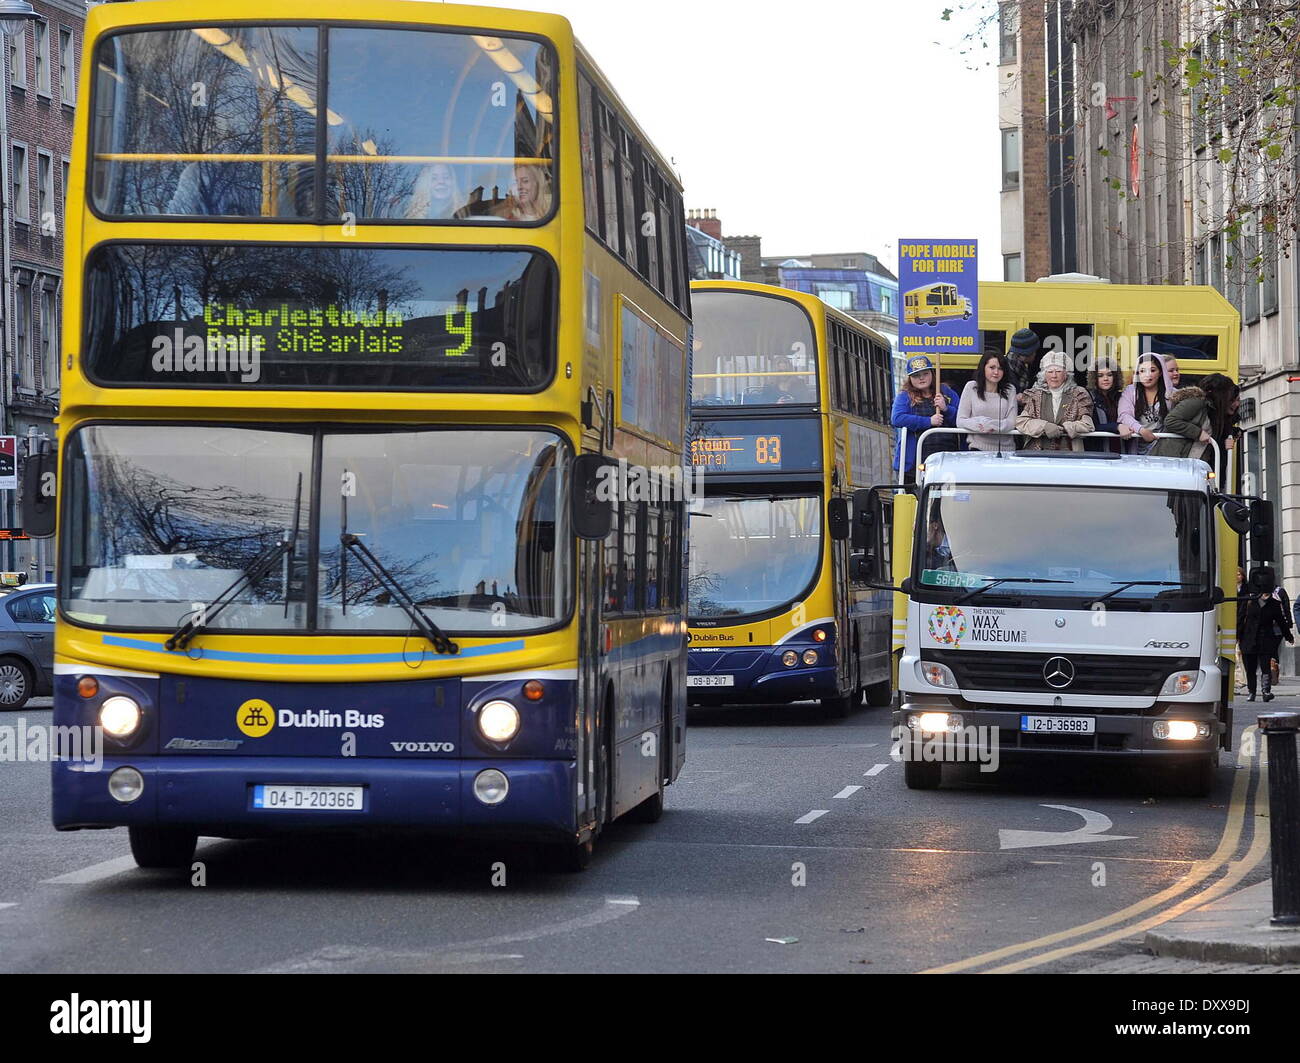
(1262, 624)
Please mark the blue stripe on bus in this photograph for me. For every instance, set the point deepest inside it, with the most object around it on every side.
(306, 658)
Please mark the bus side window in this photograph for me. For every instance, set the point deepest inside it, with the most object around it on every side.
(613, 567)
(653, 528)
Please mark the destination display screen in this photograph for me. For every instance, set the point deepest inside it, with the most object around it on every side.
(756, 445)
(167, 315)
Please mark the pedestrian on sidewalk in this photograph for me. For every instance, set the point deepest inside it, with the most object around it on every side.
(1262, 624)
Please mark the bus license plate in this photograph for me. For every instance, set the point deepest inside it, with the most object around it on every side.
(1072, 725)
(710, 680)
(308, 798)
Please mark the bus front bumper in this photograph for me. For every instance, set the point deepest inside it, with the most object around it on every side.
(757, 677)
(213, 795)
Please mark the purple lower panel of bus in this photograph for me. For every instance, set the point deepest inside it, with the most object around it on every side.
(204, 745)
(757, 675)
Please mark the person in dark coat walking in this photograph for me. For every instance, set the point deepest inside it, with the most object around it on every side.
(1262, 624)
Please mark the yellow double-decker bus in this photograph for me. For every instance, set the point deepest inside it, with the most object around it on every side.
(791, 404)
(364, 305)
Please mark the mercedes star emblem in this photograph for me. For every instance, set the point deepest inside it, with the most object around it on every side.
(1060, 621)
(1059, 672)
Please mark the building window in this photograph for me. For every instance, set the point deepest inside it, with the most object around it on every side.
(1008, 14)
(45, 212)
(22, 336)
(49, 344)
(67, 67)
(886, 303)
(1268, 288)
(22, 208)
(42, 32)
(63, 188)
(1010, 159)
(839, 296)
(18, 59)
(1012, 269)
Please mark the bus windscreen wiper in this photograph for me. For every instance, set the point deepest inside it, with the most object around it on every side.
(1006, 579)
(262, 564)
(1138, 583)
(372, 564)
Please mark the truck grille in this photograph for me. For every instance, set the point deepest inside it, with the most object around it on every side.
(1094, 673)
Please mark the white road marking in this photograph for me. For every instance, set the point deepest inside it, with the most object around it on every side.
(848, 791)
(816, 813)
(9, 904)
(1094, 828)
(875, 769)
(93, 873)
(739, 788)
(343, 957)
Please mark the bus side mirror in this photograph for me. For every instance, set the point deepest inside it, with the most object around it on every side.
(837, 519)
(1261, 530)
(40, 494)
(591, 510)
(864, 519)
(859, 568)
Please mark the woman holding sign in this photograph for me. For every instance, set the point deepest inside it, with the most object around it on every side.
(917, 408)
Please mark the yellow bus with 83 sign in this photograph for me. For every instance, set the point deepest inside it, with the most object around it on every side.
(790, 404)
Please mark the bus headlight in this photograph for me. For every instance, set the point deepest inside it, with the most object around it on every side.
(809, 656)
(498, 721)
(119, 716)
(938, 675)
(789, 658)
(933, 723)
(1180, 730)
(1180, 683)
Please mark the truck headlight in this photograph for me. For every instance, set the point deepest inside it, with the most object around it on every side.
(933, 723)
(938, 675)
(1180, 683)
(1180, 730)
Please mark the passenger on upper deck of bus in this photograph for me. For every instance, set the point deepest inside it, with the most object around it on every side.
(988, 405)
(917, 408)
(1057, 411)
(784, 385)
(1144, 405)
(436, 194)
(531, 198)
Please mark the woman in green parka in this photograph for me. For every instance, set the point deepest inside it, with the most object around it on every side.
(1200, 414)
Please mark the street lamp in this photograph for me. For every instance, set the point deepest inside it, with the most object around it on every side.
(14, 16)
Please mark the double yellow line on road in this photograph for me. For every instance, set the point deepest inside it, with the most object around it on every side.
(1118, 925)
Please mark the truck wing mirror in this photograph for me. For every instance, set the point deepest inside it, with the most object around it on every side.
(864, 518)
(591, 500)
(40, 493)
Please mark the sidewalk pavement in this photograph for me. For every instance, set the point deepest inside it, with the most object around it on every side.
(1233, 929)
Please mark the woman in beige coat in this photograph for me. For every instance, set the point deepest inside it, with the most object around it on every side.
(1057, 412)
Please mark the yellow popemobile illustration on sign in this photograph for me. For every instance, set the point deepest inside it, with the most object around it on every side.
(934, 303)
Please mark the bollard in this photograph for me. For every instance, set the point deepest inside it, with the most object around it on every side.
(1280, 730)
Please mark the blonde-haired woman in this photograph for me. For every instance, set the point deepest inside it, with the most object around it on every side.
(917, 408)
(531, 200)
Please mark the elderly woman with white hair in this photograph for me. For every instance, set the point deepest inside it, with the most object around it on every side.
(1057, 413)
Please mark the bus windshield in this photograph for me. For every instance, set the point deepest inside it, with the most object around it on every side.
(973, 535)
(162, 518)
(752, 555)
(224, 121)
(751, 350)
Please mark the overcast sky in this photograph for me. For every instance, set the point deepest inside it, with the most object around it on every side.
(820, 125)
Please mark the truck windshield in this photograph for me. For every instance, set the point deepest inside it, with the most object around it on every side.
(752, 555)
(1093, 542)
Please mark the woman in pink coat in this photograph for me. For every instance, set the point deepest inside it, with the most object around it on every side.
(1145, 403)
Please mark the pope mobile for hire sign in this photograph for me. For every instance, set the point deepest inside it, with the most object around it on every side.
(939, 284)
